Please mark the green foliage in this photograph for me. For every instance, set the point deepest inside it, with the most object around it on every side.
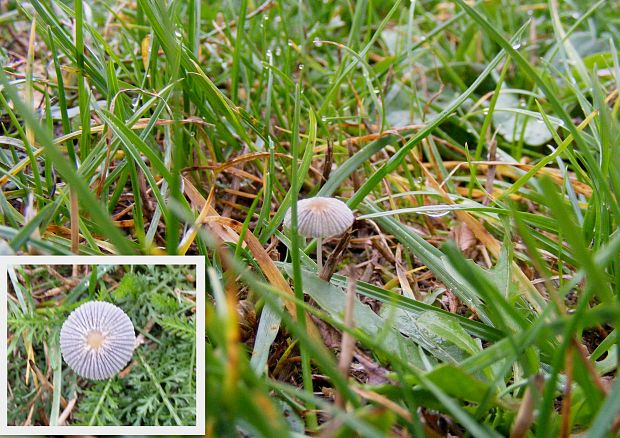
(134, 400)
(180, 327)
(130, 286)
(479, 143)
(161, 377)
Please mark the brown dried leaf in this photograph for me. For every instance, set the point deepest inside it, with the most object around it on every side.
(228, 230)
(464, 238)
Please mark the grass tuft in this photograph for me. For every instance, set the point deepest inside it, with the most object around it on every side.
(478, 143)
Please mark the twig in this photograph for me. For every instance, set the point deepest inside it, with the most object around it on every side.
(327, 164)
(67, 411)
(332, 261)
(383, 247)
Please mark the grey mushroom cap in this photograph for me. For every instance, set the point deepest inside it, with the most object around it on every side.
(321, 217)
(97, 340)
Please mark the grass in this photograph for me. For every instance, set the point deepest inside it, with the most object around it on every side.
(477, 142)
(156, 388)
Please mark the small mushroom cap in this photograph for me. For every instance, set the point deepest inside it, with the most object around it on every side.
(321, 217)
(97, 340)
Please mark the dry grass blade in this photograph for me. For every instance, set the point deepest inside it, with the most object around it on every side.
(267, 266)
(96, 129)
(348, 341)
(384, 401)
(493, 246)
(401, 274)
(583, 357)
(525, 416)
(334, 258)
(228, 231)
(67, 411)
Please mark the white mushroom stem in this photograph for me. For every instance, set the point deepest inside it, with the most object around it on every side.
(319, 253)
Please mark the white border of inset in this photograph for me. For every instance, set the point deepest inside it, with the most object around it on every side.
(198, 261)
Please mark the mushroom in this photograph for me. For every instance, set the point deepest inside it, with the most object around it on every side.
(97, 340)
(321, 217)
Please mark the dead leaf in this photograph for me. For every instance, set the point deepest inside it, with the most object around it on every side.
(464, 238)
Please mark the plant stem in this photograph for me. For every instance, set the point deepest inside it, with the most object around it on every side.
(319, 254)
(306, 366)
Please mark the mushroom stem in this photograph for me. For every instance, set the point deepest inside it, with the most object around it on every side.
(319, 254)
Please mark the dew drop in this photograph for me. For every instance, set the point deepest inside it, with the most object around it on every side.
(437, 214)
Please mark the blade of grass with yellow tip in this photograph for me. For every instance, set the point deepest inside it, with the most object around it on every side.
(229, 232)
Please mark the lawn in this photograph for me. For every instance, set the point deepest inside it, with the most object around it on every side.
(158, 385)
(477, 143)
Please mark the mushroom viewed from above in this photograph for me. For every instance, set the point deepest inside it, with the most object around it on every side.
(321, 217)
(97, 340)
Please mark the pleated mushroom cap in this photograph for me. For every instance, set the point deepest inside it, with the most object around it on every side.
(97, 340)
(321, 217)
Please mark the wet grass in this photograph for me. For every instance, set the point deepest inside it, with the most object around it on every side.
(477, 144)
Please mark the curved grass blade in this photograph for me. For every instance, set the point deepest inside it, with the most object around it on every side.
(399, 156)
(66, 170)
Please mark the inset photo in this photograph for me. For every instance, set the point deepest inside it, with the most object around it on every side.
(96, 348)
